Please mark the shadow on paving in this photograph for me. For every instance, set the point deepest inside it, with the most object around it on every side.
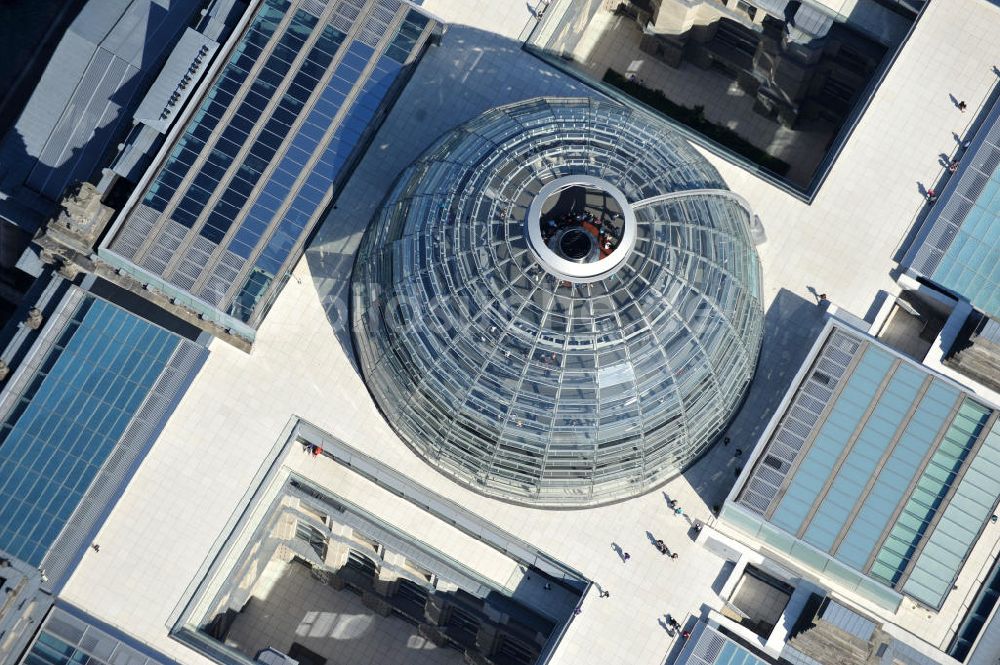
(791, 325)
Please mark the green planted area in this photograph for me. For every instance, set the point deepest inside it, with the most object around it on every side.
(695, 119)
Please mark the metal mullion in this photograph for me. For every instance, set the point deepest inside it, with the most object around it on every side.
(848, 448)
(821, 419)
(873, 478)
(908, 492)
(545, 454)
(400, 17)
(946, 501)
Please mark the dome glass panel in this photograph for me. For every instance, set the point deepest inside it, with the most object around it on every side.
(559, 303)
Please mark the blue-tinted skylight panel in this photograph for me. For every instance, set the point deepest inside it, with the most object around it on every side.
(305, 203)
(832, 440)
(970, 265)
(951, 540)
(871, 444)
(929, 494)
(269, 77)
(216, 102)
(733, 654)
(896, 474)
(53, 443)
(258, 208)
(261, 153)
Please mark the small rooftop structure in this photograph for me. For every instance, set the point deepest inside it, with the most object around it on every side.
(976, 351)
(180, 75)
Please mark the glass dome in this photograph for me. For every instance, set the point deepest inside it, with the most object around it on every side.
(559, 303)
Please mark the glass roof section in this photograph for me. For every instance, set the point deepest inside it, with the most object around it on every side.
(960, 245)
(881, 465)
(543, 386)
(708, 646)
(902, 465)
(971, 264)
(227, 212)
(942, 557)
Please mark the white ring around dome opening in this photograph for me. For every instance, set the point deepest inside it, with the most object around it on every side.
(571, 270)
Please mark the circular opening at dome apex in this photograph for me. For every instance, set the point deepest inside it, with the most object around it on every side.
(582, 223)
(580, 228)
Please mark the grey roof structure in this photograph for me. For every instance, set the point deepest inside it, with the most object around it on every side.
(848, 620)
(83, 99)
(220, 13)
(796, 657)
(184, 67)
(135, 155)
(559, 303)
(877, 466)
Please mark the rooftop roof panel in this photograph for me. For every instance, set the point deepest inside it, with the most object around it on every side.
(878, 476)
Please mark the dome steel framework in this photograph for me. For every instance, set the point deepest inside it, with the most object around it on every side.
(559, 303)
